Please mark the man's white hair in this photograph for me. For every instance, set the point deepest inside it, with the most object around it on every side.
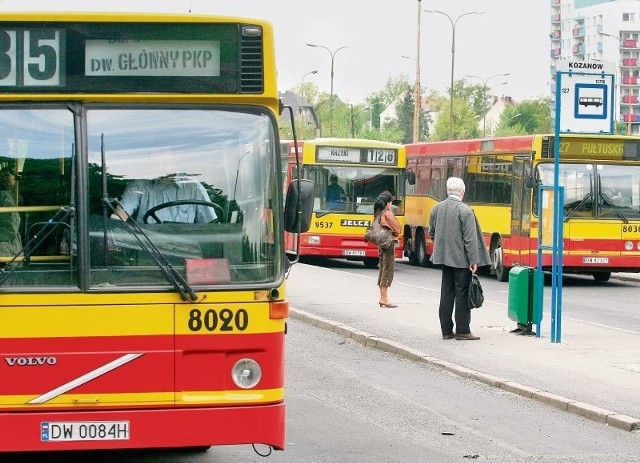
(455, 186)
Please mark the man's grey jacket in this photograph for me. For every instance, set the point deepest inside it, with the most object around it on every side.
(457, 238)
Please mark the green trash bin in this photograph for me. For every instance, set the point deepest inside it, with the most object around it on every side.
(523, 296)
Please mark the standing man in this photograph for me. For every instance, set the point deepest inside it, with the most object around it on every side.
(459, 248)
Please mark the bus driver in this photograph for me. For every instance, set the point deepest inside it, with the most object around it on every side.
(141, 195)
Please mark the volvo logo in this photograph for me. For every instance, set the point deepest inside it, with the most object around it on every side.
(30, 361)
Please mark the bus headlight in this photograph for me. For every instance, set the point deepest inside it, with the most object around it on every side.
(313, 239)
(246, 373)
(638, 245)
(628, 245)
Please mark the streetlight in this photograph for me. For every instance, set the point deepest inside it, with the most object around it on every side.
(315, 71)
(484, 96)
(303, 116)
(332, 53)
(629, 91)
(453, 22)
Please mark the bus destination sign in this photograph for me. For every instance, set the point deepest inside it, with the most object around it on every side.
(152, 58)
(357, 155)
(122, 57)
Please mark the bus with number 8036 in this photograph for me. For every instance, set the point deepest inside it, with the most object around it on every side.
(601, 215)
(142, 258)
(348, 175)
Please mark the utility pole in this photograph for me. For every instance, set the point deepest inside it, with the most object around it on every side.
(417, 103)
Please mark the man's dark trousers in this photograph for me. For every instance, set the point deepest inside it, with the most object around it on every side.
(455, 288)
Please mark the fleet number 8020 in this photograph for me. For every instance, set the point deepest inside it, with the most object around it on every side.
(218, 320)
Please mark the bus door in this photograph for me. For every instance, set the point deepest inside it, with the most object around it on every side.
(521, 246)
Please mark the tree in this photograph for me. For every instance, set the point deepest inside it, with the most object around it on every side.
(404, 116)
(526, 117)
(465, 123)
(397, 91)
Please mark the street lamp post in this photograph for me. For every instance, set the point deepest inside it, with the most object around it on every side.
(303, 117)
(484, 96)
(315, 71)
(453, 22)
(332, 53)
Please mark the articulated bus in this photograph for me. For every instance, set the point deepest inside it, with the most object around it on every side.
(601, 179)
(142, 258)
(360, 170)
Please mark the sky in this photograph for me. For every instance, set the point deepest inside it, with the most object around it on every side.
(505, 38)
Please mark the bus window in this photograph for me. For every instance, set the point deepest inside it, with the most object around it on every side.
(36, 222)
(212, 192)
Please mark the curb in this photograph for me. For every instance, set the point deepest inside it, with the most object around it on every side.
(618, 420)
(635, 279)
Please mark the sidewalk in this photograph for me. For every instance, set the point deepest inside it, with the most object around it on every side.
(594, 371)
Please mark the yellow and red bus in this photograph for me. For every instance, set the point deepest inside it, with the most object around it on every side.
(361, 169)
(165, 327)
(601, 179)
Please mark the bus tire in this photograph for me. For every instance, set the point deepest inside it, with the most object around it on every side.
(421, 254)
(502, 272)
(602, 276)
(411, 253)
(370, 262)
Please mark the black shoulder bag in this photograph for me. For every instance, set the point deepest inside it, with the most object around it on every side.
(476, 296)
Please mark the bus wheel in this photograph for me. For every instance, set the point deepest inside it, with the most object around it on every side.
(421, 254)
(502, 272)
(602, 276)
(370, 262)
(411, 253)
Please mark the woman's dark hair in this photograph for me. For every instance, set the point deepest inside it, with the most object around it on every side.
(381, 202)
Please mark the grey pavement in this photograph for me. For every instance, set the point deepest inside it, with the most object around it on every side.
(594, 372)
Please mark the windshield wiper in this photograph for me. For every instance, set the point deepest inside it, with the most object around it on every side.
(35, 241)
(614, 208)
(170, 273)
(578, 206)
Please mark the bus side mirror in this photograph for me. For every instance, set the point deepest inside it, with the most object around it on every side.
(411, 176)
(298, 206)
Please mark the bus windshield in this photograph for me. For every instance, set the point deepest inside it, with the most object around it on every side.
(352, 189)
(604, 191)
(198, 182)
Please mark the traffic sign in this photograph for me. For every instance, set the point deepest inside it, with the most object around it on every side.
(586, 96)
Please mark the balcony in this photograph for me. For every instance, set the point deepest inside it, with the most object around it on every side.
(578, 31)
(555, 35)
(578, 49)
(629, 117)
(629, 62)
(630, 80)
(556, 18)
(629, 43)
(555, 2)
(555, 52)
(633, 99)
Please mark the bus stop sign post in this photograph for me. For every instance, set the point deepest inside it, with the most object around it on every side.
(584, 104)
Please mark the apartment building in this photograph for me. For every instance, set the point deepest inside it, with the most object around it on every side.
(601, 30)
